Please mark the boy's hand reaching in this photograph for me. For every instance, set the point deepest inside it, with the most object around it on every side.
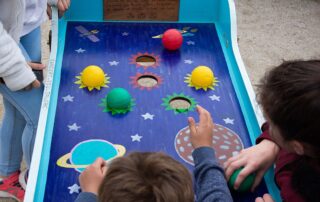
(92, 177)
(201, 134)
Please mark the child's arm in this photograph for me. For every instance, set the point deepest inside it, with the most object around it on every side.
(209, 176)
(13, 68)
(90, 181)
(257, 158)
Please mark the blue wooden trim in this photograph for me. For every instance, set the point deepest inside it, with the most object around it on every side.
(45, 156)
(247, 110)
(224, 32)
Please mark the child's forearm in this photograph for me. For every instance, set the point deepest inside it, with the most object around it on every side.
(211, 184)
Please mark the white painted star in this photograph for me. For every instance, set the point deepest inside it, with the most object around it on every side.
(74, 189)
(147, 116)
(68, 98)
(228, 121)
(80, 50)
(214, 98)
(191, 43)
(74, 127)
(188, 62)
(136, 137)
(113, 63)
(125, 34)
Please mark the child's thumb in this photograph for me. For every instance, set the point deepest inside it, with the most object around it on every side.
(36, 84)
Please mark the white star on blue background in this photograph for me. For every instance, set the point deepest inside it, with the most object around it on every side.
(125, 34)
(80, 50)
(74, 189)
(68, 98)
(191, 43)
(188, 61)
(74, 127)
(113, 63)
(136, 137)
(214, 98)
(147, 116)
(228, 121)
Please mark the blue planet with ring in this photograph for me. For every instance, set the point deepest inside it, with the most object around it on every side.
(86, 152)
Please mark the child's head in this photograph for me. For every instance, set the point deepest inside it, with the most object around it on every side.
(290, 97)
(146, 177)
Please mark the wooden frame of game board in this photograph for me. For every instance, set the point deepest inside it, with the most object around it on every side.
(224, 18)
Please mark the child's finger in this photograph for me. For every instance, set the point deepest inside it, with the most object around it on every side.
(203, 115)
(259, 199)
(247, 170)
(229, 162)
(65, 5)
(257, 180)
(104, 170)
(98, 163)
(234, 166)
(60, 6)
(49, 12)
(192, 126)
(36, 66)
(36, 84)
(267, 198)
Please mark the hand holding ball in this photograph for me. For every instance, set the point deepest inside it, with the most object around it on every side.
(246, 183)
(172, 39)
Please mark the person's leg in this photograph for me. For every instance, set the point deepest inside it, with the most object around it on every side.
(11, 131)
(28, 103)
(32, 45)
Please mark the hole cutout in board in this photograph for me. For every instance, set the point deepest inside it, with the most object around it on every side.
(147, 81)
(179, 103)
(146, 60)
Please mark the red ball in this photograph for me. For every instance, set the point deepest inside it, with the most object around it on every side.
(172, 39)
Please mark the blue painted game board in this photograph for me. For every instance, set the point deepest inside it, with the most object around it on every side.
(149, 126)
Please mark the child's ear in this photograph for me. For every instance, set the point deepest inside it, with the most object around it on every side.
(297, 147)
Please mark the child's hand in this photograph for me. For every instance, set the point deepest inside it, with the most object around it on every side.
(201, 135)
(257, 158)
(92, 177)
(265, 198)
(35, 83)
(63, 6)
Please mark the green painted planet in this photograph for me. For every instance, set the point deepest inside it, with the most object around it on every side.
(117, 101)
(246, 183)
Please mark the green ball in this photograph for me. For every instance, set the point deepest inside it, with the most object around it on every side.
(246, 183)
(118, 98)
